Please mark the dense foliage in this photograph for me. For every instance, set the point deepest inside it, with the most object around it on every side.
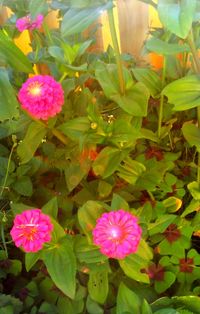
(128, 138)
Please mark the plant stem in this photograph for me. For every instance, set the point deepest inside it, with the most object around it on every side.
(55, 132)
(62, 77)
(160, 114)
(194, 52)
(7, 170)
(117, 51)
(3, 239)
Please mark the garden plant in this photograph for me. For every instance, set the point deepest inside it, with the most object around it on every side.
(99, 163)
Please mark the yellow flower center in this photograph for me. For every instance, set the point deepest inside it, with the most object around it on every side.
(35, 89)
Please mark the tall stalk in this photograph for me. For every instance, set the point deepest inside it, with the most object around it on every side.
(116, 49)
(194, 52)
(160, 114)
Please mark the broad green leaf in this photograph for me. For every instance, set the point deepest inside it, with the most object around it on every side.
(145, 308)
(12, 55)
(164, 48)
(133, 263)
(51, 208)
(104, 188)
(127, 300)
(192, 134)
(88, 253)
(161, 224)
(75, 128)
(108, 161)
(150, 79)
(87, 216)
(161, 286)
(177, 16)
(192, 207)
(98, 285)
(118, 203)
(93, 307)
(135, 99)
(74, 174)
(172, 204)
(31, 259)
(30, 143)
(77, 20)
(184, 93)
(9, 105)
(23, 186)
(130, 170)
(190, 302)
(194, 189)
(61, 266)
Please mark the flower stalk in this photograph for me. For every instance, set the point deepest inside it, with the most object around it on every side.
(117, 50)
(195, 56)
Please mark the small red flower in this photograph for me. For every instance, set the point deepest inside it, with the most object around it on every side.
(153, 151)
(172, 233)
(156, 272)
(186, 265)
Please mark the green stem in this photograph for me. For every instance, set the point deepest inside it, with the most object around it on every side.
(7, 170)
(55, 132)
(62, 77)
(194, 52)
(3, 239)
(160, 114)
(117, 51)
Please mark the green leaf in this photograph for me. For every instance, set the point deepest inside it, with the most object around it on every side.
(194, 189)
(177, 16)
(191, 302)
(184, 93)
(145, 308)
(130, 170)
(51, 208)
(32, 140)
(150, 79)
(192, 207)
(172, 204)
(164, 48)
(9, 104)
(161, 224)
(98, 285)
(31, 259)
(191, 133)
(133, 263)
(161, 286)
(118, 203)
(127, 300)
(87, 216)
(61, 266)
(108, 161)
(93, 307)
(74, 174)
(104, 188)
(88, 253)
(23, 186)
(77, 20)
(12, 55)
(75, 128)
(136, 96)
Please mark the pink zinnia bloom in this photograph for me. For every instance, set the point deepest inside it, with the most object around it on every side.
(41, 96)
(31, 229)
(117, 233)
(26, 23)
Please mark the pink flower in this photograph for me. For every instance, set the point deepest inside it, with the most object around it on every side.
(41, 96)
(31, 229)
(26, 23)
(117, 233)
